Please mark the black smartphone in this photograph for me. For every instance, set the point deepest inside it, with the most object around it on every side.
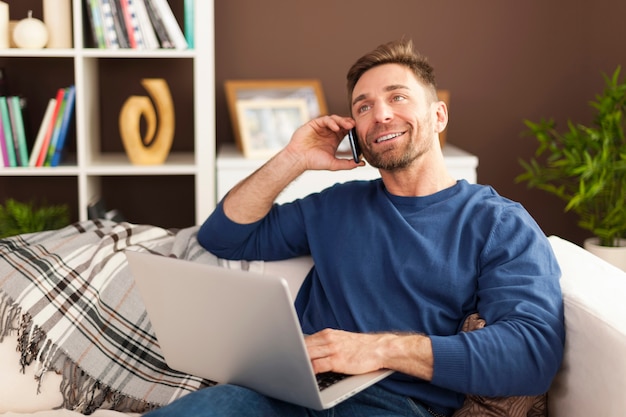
(354, 145)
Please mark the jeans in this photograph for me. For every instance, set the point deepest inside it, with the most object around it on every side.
(231, 400)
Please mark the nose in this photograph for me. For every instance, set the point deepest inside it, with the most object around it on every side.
(382, 112)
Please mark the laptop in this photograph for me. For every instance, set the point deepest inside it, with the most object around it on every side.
(236, 327)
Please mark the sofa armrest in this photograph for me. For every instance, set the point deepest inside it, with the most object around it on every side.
(593, 375)
(293, 270)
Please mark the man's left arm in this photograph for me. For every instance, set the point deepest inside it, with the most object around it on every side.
(517, 353)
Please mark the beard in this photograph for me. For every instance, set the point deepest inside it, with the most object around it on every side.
(395, 159)
(403, 154)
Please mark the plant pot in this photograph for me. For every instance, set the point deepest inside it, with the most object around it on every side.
(615, 255)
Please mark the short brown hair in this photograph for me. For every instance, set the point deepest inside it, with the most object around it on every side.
(395, 52)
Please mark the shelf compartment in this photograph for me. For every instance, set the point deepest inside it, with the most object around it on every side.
(165, 201)
(51, 190)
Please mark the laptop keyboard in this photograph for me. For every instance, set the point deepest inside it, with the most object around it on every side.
(326, 379)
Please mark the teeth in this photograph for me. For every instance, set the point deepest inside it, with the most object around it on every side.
(387, 137)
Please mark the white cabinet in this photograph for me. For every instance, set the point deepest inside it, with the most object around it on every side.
(232, 167)
(87, 169)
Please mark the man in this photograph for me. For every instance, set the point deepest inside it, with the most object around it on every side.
(400, 262)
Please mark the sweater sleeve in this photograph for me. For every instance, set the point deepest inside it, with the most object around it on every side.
(280, 235)
(519, 297)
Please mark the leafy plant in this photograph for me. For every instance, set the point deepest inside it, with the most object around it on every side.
(18, 218)
(586, 165)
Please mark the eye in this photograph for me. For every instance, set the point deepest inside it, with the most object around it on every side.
(398, 98)
(363, 108)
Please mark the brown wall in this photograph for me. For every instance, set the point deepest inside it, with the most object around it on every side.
(502, 61)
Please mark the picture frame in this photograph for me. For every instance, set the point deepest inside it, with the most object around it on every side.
(266, 125)
(271, 104)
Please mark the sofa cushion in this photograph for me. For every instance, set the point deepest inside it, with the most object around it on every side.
(593, 376)
(20, 391)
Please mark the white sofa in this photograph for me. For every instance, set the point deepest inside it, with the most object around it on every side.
(592, 381)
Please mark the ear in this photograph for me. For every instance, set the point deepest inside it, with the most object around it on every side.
(441, 116)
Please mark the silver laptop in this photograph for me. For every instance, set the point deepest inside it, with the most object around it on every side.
(236, 327)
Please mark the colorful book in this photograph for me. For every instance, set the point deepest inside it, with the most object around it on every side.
(110, 34)
(3, 146)
(128, 23)
(8, 132)
(69, 98)
(57, 130)
(132, 25)
(120, 26)
(14, 134)
(159, 26)
(145, 26)
(41, 134)
(19, 132)
(171, 25)
(189, 22)
(94, 13)
(41, 159)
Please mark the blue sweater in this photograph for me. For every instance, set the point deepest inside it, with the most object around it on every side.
(421, 264)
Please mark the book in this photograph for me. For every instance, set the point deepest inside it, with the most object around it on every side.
(8, 131)
(120, 26)
(108, 24)
(56, 130)
(94, 13)
(132, 27)
(159, 26)
(41, 134)
(41, 158)
(19, 133)
(3, 146)
(14, 134)
(174, 31)
(188, 20)
(69, 98)
(145, 25)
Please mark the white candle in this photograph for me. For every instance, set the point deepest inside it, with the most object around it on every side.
(57, 16)
(4, 25)
(30, 33)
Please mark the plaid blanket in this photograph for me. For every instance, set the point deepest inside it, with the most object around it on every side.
(69, 295)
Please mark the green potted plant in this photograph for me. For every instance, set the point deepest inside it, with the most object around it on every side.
(586, 165)
(19, 218)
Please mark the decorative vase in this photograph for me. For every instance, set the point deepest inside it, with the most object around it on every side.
(154, 147)
(615, 255)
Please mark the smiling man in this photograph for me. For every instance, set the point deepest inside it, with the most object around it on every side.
(400, 262)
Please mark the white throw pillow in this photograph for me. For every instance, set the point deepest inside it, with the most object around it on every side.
(18, 391)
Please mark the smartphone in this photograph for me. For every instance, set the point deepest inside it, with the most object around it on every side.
(354, 145)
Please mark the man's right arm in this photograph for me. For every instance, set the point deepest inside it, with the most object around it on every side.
(312, 147)
(251, 199)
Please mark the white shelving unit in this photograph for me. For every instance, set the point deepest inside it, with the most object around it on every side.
(90, 165)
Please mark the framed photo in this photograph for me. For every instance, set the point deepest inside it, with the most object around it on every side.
(265, 113)
(267, 125)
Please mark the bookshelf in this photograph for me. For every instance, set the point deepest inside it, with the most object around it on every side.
(179, 192)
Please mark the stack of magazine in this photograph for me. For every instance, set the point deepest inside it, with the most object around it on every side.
(138, 24)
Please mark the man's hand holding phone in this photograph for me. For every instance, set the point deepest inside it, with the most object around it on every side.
(317, 141)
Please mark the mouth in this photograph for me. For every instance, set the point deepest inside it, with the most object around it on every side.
(388, 137)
